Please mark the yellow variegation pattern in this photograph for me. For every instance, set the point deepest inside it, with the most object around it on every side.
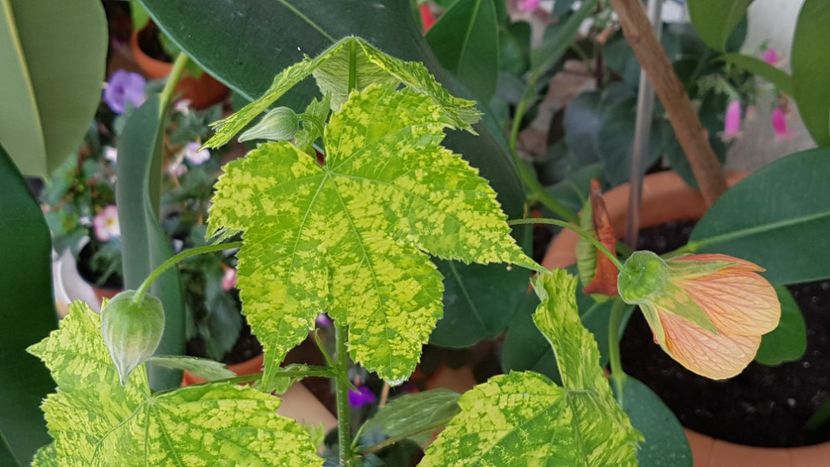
(96, 421)
(331, 71)
(523, 418)
(350, 237)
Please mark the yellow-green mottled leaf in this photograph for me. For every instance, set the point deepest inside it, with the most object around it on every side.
(523, 418)
(331, 70)
(97, 422)
(46, 457)
(350, 237)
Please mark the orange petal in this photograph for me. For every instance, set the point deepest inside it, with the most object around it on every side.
(605, 275)
(737, 302)
(737, 264)
(713, 356)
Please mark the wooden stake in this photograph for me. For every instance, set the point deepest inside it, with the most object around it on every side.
(683, 118)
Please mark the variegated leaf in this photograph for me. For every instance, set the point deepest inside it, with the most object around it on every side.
(350, 237)
(331, 70)
(523, 418)
(96, 421)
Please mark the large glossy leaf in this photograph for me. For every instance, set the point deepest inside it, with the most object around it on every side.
(144, 244)
(715, 20)
(479, 302)
(523, 418)
(96, 421)
(777, 217)
(811, 65)
(27, 314)
(665, 442)
(237, 41)
(788, 342)
(351, 236)
(52, 63)
(466, 41)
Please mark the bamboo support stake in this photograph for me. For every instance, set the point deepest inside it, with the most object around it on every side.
(687, 127)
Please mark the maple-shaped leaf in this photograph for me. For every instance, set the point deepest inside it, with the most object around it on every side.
(96, 421)
(350, 237)
(331, 72)
(523, 418)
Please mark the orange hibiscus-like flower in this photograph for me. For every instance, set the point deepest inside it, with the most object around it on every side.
(707, 311)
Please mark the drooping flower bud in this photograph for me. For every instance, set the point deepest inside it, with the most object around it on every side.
(279, 124)
(708, 312)
(131, 330)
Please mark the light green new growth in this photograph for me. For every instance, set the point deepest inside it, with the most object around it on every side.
(523, 418)
(330, 69)
(350, 237)
(97, 422)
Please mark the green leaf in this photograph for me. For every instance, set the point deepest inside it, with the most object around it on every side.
(411, 416)
(665, 442)
(778, 218)
(46, 456)
(47, 48)
(573, 190)
(553, 47)
(211, 31)
(350, 237)
(715, 20)
(810, 63)
(26, 316)
(523, 418)
(616, 141)
(479, 302)
(144, 244)
(466, 41)
(331, 71)
(208, 369)
(774, 75)
(788, 342)
(97, 421)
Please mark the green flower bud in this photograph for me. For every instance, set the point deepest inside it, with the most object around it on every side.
(279, 124)
(132, 330)
(643, 275)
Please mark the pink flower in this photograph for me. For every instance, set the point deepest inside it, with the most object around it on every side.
(780, 125)
(106, 225)
(229, 279)
(707, 311)
(528, 5)
(732, 121)
(770, 56)
(110, 154)
(195, 154)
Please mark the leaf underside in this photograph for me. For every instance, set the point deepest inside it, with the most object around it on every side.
(523, 418)
(97, 422)
(350, 237)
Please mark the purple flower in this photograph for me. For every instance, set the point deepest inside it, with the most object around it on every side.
(229, 279)
(528, 5)
(771, 56)
(194, 153)
(363, 396)
(323, 321)
(732, 120)
(122, 88)
(780, 126)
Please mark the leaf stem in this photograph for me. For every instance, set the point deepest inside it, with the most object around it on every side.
(173, 260)
(576, 229)
(617, 374)
(172, 81)
(322, 347)
(344, 429)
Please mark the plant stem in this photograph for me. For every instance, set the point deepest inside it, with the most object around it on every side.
(684, 119)
(172, 81)
(617, 374)
(576, 229)
(344, 429)
(172, 261)
(322, 347)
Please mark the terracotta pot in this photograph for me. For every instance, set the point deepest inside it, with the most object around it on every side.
(297, 403)
(666, 197)
(202, 92)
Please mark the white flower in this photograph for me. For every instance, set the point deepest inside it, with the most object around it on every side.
(195, 155)
(110, 153)
(182, 106)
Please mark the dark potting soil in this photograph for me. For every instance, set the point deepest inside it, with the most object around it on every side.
(763, 406)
